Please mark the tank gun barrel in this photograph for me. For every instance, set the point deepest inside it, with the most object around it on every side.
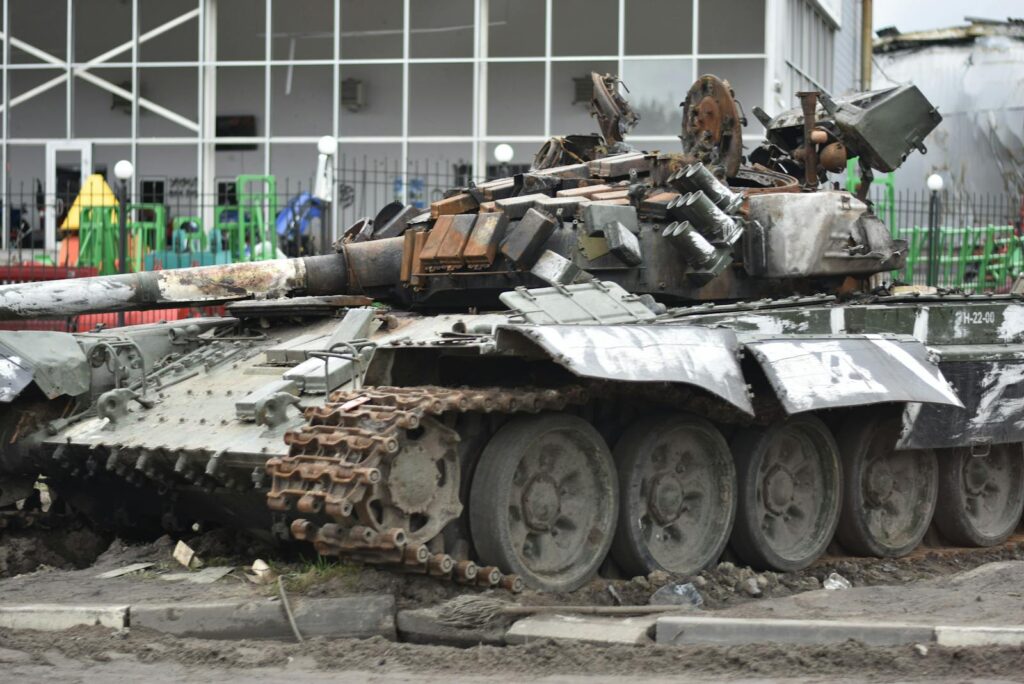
(363, 268)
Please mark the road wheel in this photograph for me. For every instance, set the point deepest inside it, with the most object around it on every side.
(544, 501)
(678, 495)
(788, 479)
(980, 497)
(889, 496)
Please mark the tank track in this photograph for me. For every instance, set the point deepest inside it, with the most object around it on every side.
(340, 461)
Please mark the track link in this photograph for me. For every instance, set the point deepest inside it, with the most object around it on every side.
(341, 458)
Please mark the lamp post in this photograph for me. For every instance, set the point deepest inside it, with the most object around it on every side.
(935, 185)
(123, 171)
(327, 146)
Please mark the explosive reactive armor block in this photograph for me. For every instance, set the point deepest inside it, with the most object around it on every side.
(526, 240)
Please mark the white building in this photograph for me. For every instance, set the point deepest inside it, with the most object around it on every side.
(196, 92)
(974, 75)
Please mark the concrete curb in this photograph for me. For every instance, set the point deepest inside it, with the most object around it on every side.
(685, 630)
(591, 630)
(351, 617)
(54, 617)
(979, 636)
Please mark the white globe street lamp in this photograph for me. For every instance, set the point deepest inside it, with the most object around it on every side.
(124, 170)
(327, 145)
(503, 153)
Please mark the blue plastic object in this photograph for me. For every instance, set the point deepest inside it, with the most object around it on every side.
(301, 210)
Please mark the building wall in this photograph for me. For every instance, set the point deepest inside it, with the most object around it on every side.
(978, 148)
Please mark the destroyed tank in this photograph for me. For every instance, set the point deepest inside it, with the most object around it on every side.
(620, 360)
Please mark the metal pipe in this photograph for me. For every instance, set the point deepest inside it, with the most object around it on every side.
(122, 237)
(866, 43)
(933, 229)
(809, 107)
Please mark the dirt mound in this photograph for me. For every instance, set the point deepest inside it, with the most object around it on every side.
(64, 544)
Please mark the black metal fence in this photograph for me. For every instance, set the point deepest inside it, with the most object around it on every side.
(970, 241)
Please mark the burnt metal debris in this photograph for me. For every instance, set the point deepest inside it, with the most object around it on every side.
(541, 372)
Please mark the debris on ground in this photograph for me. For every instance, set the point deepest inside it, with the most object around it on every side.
(184, 554)
(203, 576)
(684, 594)
(260, 573)
(836, 581)
(126, 570)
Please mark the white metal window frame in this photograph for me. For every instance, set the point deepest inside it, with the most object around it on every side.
(204, 137)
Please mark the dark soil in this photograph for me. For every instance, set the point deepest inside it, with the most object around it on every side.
(536, 659)
(52, 542)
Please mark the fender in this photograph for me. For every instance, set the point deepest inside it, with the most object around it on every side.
(53, 360)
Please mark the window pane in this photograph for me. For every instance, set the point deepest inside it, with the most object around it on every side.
(25, 182)
(171, 88)
(746, 76)
(99, 113)
(99, 26)
(241, 29)
(294, 166)
(570, 110)
(656, 87)
(300, 100)
(43, 115)
(441, 99)
(659, 27)
(735, 26)
(179, 44)
(240, 94)
(176, 166)
(303, 29)
(232, 163)
(516, 28)
(441, 28)
(585, 27)
(371, 100)
(105, 156)
(369, 176)
(371, 30)
(434, 168)
(515, 98)
(40, 24)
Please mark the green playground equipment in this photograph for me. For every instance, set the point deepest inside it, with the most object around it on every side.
(257, 213)
(98, 233)
(246, 232)
(146, 236)
(976, 258)
(225, 228)
(189, 248)
(185, 241)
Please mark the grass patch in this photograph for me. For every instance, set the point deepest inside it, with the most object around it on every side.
(299, 578)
